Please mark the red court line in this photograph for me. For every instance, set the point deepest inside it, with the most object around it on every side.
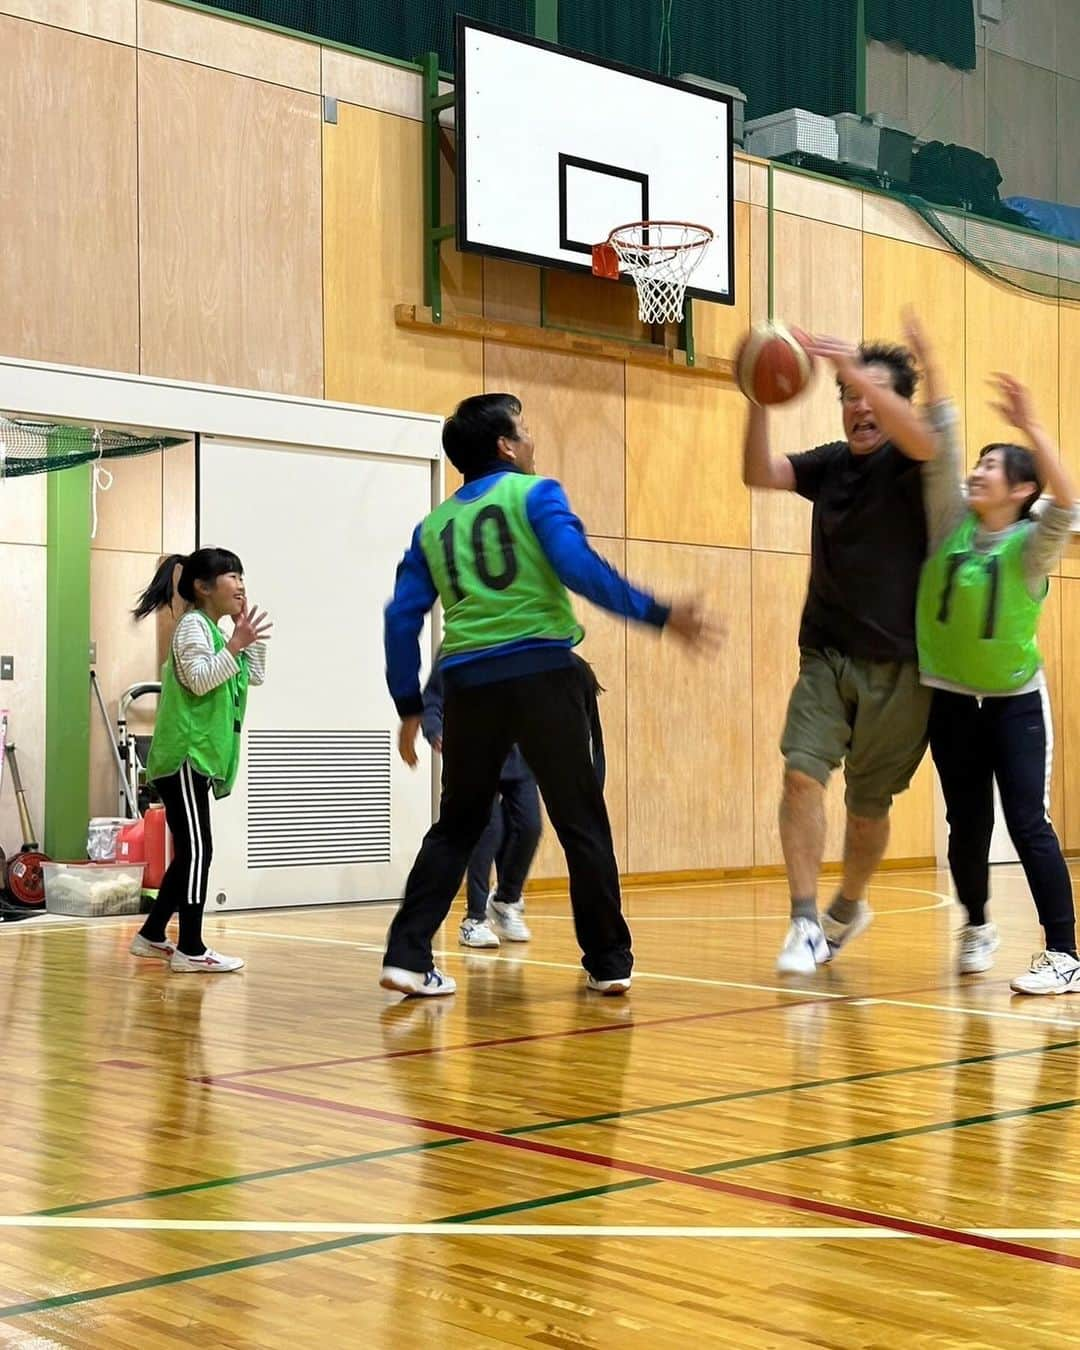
(705, 1183)
(627, 1025)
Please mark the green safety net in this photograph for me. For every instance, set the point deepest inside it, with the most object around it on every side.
(30, 446)
(943, 29)
(988, 237)
(1036, 263)
(405, 30)
(784, 54)
(781, 54)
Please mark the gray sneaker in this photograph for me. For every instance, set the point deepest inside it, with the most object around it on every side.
(838, 934)
(508, 920)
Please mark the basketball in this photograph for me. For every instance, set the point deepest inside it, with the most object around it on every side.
(772, 365)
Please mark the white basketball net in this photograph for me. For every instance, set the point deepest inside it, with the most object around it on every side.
(661, 256)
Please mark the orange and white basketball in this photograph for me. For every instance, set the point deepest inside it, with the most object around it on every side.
(772, 365)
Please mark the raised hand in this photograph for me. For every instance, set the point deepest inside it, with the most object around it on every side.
(1013, 402)
(841, 353)
(249, 626)
(915, 336)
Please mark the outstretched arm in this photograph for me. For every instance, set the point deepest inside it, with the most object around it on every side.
(581, 569)
(760, 468)
(1015, 404)
(1053, 528)
(896, 416)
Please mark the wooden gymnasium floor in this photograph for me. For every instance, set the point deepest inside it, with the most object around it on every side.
(886, 1156)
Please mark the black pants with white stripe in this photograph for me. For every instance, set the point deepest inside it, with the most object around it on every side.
(1010, 739)
(186, 797)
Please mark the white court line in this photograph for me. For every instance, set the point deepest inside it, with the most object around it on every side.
(943, 902)
(555, 965)
(55, 922)
(1065, 1021)
(457, 1230)
(791, 992)
(1060, 1021)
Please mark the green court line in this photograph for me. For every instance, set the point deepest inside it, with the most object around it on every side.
(516, 1207)
(216, 1183)
(870, 1075)
(543, 1126)
(290, 1253)
(885, 1137)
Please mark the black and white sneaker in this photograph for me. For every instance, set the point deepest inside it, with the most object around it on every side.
(1050, 973)
(413, 982)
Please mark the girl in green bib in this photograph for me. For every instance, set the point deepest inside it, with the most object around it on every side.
(980, 597)
(196, 745)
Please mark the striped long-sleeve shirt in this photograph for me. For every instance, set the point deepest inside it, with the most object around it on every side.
(198, 667)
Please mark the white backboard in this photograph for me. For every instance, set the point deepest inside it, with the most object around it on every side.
(556, 148)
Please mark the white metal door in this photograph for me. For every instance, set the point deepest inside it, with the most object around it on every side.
(323, 810)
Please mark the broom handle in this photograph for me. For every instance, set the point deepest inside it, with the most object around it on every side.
(29, 842)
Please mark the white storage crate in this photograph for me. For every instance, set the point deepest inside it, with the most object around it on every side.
(91, 890)
(793, 131)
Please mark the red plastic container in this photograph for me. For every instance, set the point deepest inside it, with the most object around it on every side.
(147, 841)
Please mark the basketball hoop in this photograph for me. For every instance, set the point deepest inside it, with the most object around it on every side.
(661, 256)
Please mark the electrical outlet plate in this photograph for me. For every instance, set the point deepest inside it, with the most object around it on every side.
(991, 11)
(7, 667)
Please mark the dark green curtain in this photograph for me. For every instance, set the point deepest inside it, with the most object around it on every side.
(780, 53)
(943, 29)
(405, 29)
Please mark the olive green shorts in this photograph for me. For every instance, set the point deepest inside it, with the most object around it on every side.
(870, 716)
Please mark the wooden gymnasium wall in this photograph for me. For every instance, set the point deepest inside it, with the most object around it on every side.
(206, 224)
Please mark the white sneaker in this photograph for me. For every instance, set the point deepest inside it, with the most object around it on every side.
(839, 934)
(1050, 973)
(610, 987)
(160, 951)
(804, 949)
(978, 943)
(210, 963)
(411, 982)
(477, 933)
(509, 920)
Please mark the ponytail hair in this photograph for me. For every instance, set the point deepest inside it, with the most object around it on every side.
(205, 564)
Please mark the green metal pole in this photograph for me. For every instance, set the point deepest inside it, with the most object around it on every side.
(860, 56)
(686, 330)
(67, 663)
(546, 21)
(429, 65)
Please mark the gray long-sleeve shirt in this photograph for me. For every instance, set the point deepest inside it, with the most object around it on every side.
(946, 506)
